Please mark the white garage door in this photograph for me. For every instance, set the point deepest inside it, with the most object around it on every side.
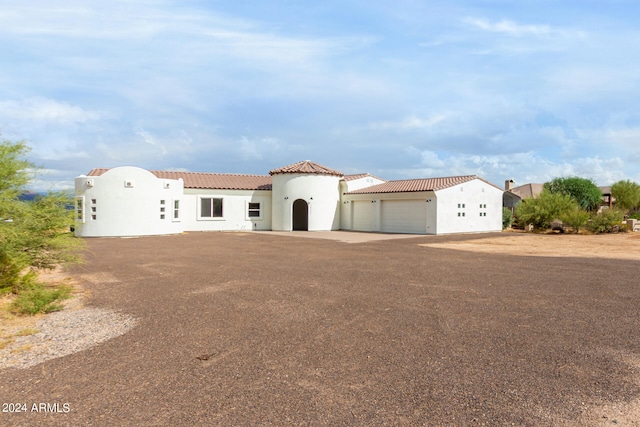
(362, 215)
(404, 216)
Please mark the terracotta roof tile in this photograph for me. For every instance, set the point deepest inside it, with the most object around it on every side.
(360, 175)
(413, 185)
(204, 180)
(308, 167)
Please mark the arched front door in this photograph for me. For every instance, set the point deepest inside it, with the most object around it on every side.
(300, 215)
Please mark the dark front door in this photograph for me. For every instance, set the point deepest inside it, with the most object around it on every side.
(300, 215)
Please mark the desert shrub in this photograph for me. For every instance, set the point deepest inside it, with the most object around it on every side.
(33, 234)
(575, 218)
(607, 221)
(542, 210)
(40, 300)
(507, 218)
(627, 194)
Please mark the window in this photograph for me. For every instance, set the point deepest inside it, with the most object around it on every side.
(210, 207)
(253, 210)
(461, 207)
(176, 210)
(79, 209)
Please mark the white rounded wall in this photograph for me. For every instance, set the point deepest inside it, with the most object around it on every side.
(127, 201)
(321, 193)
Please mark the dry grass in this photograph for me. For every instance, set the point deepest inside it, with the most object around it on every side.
(12, 325)
(619, 246)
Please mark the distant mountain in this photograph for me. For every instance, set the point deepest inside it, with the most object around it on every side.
(28, 196)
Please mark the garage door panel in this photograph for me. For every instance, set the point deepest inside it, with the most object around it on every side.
(362, 215)
(404, 216)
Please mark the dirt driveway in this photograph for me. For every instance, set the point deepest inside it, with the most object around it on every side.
(259, 329)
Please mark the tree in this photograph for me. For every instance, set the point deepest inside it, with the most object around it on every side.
(33, 235)
(542, 210)
(584, 191)
(627, 195)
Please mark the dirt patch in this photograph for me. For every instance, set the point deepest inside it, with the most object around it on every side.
(616, 246)
(13, 326)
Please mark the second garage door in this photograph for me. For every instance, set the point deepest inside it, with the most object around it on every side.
(404, 216)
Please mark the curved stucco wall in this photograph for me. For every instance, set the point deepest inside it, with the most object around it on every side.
(321, 192)
(127, 201)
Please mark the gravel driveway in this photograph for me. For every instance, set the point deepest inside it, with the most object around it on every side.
(260, 329)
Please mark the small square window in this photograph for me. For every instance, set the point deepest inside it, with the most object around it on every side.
(459, 214)
(162, 216)
(162, 202)
(93, 201)
(93, 217)
(161, 209)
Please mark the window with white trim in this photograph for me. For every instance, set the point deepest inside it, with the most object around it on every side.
(211, 207)
(176, 210)
(253, 210)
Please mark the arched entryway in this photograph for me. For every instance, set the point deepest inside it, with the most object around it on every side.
(300, 215)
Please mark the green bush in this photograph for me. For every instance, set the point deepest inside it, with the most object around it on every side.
(542, 210)
(507, 218)
(607, 221)
(40, 300)
(627, 194)
(575, 218)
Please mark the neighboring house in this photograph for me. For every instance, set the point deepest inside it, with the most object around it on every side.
(607, 199)
(129, 201)
(514, 195)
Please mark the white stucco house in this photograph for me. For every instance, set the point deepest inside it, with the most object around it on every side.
(130, 201)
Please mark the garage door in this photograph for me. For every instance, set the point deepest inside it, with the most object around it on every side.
(362, 215)
(404, 216)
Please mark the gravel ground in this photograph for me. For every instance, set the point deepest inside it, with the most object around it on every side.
(63, 333)
(256, 329)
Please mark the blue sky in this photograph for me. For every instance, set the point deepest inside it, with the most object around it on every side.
(523, 90)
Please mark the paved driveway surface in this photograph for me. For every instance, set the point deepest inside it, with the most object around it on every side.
(318, 332)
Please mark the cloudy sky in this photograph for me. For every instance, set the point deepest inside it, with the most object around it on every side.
(523, 89)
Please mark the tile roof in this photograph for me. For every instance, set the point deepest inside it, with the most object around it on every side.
(360, 175)
(413, 185)
(527, 190)
(306, 166)
(204, 180)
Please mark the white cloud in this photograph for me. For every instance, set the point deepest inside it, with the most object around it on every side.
(522, 167)
(255, 149)
(514, 29)
(410, 123)
(44, 110)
